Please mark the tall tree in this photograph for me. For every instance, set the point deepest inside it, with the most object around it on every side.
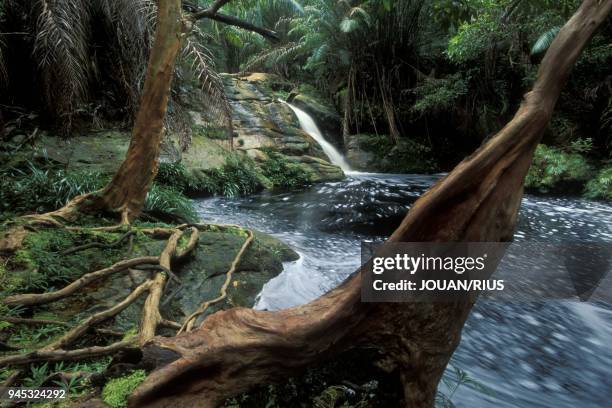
(478, 201)
(127, 191)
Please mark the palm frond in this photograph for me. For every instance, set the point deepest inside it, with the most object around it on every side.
(272, 57)
(544, 41)
(62, 47)
(215, 100)
(131, 23)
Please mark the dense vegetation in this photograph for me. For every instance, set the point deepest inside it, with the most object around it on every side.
(434, 77)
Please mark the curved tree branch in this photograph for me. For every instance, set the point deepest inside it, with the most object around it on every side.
(213, 13)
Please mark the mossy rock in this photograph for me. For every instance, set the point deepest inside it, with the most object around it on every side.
(205, 272)
(40, 265)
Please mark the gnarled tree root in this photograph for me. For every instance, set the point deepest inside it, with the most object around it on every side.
(191, 319)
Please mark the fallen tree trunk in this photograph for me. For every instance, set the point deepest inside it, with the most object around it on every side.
(478, 201)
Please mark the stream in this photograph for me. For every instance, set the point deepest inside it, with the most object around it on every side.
(545, 354)
(552, 353)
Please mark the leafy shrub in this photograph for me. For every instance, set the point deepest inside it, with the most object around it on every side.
(175, 175)
(600, 187)
(554, 170)
(408, 156)
(436, 95)
(238, 176)
(163, 199)
(473, 38)
(117, 390)
(42, 187)
(284, 174)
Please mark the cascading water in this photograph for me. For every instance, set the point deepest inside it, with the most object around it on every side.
(309, 126)
(527, 354)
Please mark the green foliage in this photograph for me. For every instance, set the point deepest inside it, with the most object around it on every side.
(37, 375)
(435, 95)
(176, 175)
(408, 156)
(163, 200)
(237, 177)
(284, 174)
(555, 170)
(40, 187)
(117, 390)
(600, 187)
(40, 265)
(473, 38)
(43, 187)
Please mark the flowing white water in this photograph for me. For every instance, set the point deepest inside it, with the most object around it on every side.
(309, 126)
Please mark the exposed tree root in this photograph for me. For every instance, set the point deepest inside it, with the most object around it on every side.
(30, 299)
(190, 321)
(94, 319)
(151, 317)
(67, 355)
(90, 245)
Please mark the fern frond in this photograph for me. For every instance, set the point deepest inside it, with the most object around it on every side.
(61, 45)
(544, 41)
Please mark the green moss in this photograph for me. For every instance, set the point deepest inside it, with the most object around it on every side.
(40, 264)
(283, 174)
(117, 390)
(210, 132)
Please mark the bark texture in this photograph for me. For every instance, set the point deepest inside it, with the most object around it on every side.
(128, 189)
(478, 201)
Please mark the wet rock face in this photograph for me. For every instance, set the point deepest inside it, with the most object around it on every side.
(262, 122)
(357, 156)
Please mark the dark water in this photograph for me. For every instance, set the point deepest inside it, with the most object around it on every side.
(546, 354)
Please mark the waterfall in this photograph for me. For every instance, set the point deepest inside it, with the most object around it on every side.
(309, 126)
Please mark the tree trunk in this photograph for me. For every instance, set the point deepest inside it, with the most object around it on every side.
(478, 201)
(128, 189)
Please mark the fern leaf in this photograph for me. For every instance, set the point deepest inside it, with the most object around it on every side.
(544, 41)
